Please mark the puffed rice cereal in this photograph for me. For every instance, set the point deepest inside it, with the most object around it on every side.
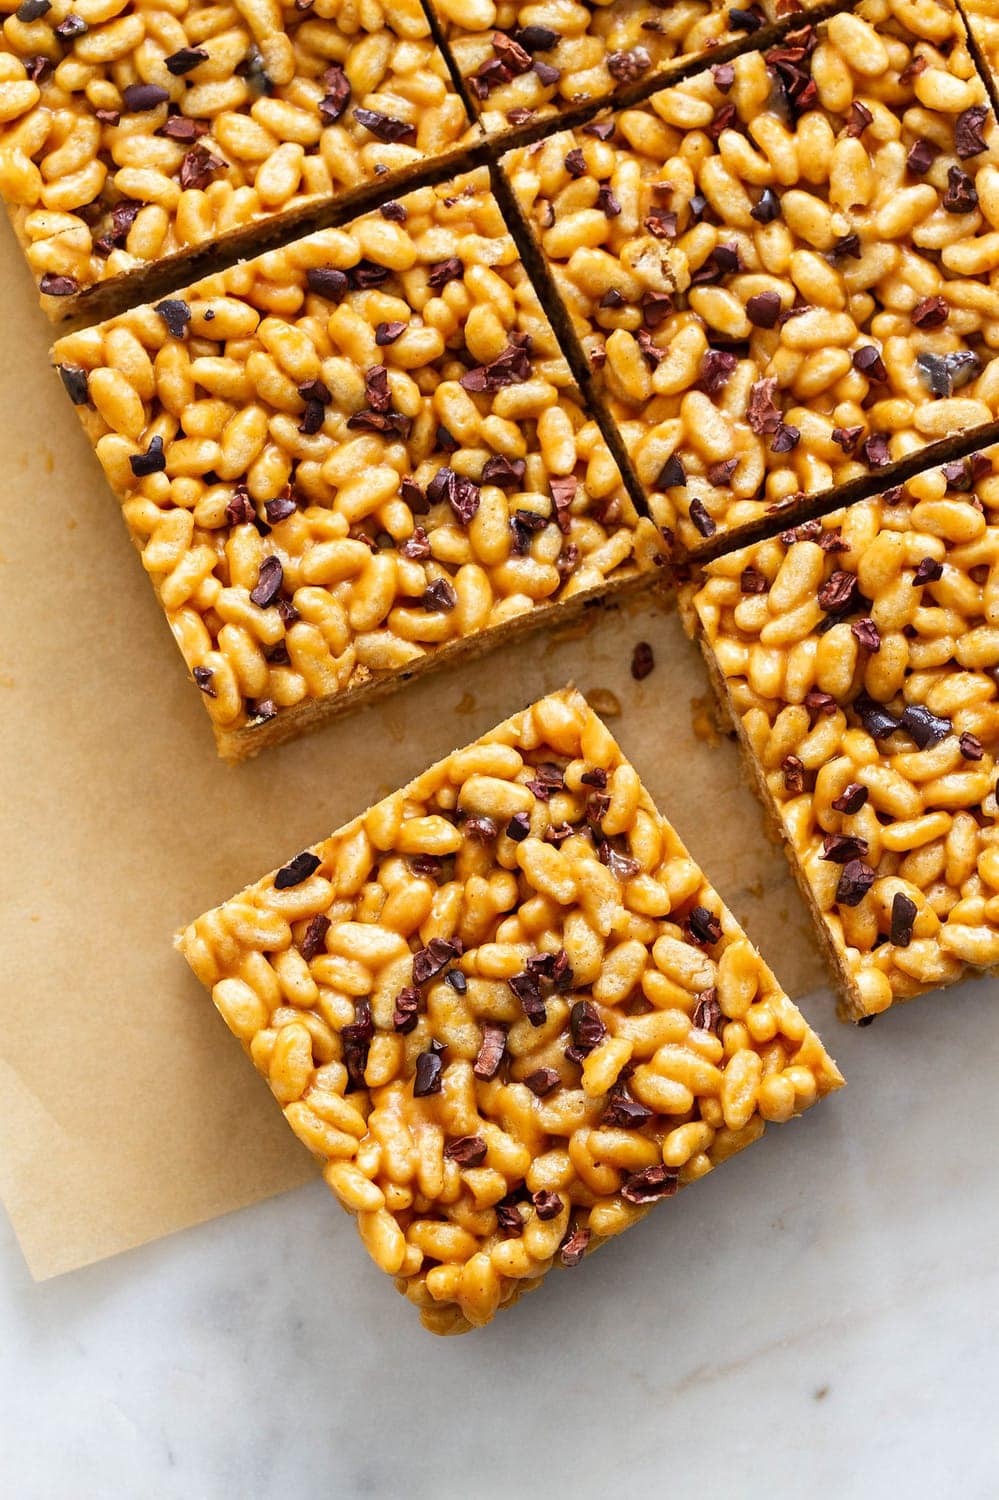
(134, 134)
(859, 658)
(507, 1011)
(352, 458)
(784, 270)
(527, 60)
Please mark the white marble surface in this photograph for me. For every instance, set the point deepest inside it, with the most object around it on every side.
(817, 1318)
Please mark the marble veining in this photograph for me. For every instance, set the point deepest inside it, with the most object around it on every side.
(819, 1317)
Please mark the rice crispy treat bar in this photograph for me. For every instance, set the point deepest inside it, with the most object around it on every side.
(785, 270)
(507, 1011)
(523, 62)
(859, 659)
(132, 136)
(352, 458)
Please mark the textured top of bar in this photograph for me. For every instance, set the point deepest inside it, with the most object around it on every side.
(130, 134)
(522, 59)
(508, 1010)
(784, 268)
(862, 656)
(351, 452)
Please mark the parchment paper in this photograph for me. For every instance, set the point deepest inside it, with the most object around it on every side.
(126, 1109)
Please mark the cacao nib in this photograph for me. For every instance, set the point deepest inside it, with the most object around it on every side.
(385, 127)
(840, 848)
(868, 361)
(586, 1027)
(268, 585)
(930, 312)
(625, 1112)
(968, 137)
(704, 925)
(851, 799)
(314, 940)
(490, 1054)
(429, 961)
(642, 661)
(961, 195)
(707, 1012)
(573, 1247)
(854, 883)
(153, 461)
(651, 1184)
(702, 522)
(629, 67)
(794, 775)
(466, 1150)
(406, 1012)
(140, 97)
(428, 1075)
(867, 634)
(762, 414)
(297, 870)
(767, 207)
(925, 728)
(763, 309)
(943, 374)
(903, 915)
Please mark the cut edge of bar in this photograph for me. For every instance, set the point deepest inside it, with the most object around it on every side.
(852, 492)
(849, 1007)
(544, 285)
(108, 299)
(688, 65)
(105, 299)
(848, 1004)
(241, 744)
(978, 57)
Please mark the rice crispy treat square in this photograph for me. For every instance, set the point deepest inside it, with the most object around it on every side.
(784, 271)
(507, 1011)
(134, 137)
(859, 660)
(355, 458)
